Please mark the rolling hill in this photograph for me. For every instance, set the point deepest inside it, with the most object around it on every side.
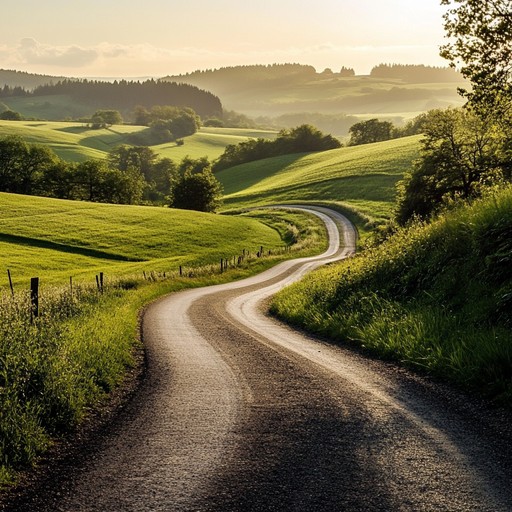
(75, 142)
(389, 91)
(362, 178)
(57, 238)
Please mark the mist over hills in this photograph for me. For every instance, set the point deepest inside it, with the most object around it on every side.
(276, 95)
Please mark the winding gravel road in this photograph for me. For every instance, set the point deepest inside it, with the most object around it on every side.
(240, 413)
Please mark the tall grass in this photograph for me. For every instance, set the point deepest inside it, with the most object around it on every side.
(436, 297)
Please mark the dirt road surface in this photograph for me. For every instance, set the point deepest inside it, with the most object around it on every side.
(241, 413)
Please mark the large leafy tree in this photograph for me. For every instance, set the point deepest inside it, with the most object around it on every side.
(373, 130)
(196, 188)
(480, 33)
(460, 153)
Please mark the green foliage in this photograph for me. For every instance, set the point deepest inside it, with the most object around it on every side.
(436, 297)
(22, 164)
(196, 188)
(105, 118)
(10, 115)
(481, 47)
(367, 132)
(302, 139)
(461, 153)
(167, 122)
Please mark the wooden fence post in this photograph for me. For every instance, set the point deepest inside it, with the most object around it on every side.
(10, 282)
(101, 282)
(34, 298)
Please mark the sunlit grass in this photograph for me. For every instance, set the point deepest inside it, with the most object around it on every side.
(361, 177)
(56, 238)
(75, 142)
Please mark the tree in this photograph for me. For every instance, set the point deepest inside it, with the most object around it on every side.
(196, 188)
(373, 130)
(460, 154)
(59, 180)
(481, 47)
(106, 118)
(125, 157)
(10, 115)
(22, 164)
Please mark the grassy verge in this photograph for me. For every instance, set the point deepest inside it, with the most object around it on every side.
(436, 297)
(56, 369)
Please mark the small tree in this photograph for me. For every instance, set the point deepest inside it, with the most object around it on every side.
(196, 188)
(10, 115)
(106, 118)
(370, 131)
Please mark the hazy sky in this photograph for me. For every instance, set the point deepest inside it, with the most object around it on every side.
(159, 37)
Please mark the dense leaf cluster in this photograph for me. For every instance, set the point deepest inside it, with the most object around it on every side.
(461, 155)
(481, 46)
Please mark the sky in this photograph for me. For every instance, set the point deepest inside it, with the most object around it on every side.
(140, 38)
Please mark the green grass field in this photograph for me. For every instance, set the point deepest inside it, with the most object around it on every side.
(362, 178)
(75, 142)
(55, 239)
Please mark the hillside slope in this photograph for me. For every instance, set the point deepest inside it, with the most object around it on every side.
(437, 297)
(57, 238)
(75, 142)
(293, 88)
(360, 177)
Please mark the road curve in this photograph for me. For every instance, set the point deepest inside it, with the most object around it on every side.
(240, 413)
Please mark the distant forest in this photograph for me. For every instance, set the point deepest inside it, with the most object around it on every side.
(415, 73)
(125, 96)
(24, 80)
(272, 75)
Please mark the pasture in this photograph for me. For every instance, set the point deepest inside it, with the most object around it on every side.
(56, 239)
(361, 178)
(75, 142)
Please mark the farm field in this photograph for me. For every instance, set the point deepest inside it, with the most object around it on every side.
(75, 142)
(362, 178)
(56, 239)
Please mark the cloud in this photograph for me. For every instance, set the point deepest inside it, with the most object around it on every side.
(111, 59)
(30, 51)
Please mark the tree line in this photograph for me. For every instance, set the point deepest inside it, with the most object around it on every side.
(304, 138)
(130, 175)
(126, 95)
(416, 73)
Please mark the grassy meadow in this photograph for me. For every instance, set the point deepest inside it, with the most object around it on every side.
(56, 239)
(74, 142)
(437, 297)
(359, 178)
